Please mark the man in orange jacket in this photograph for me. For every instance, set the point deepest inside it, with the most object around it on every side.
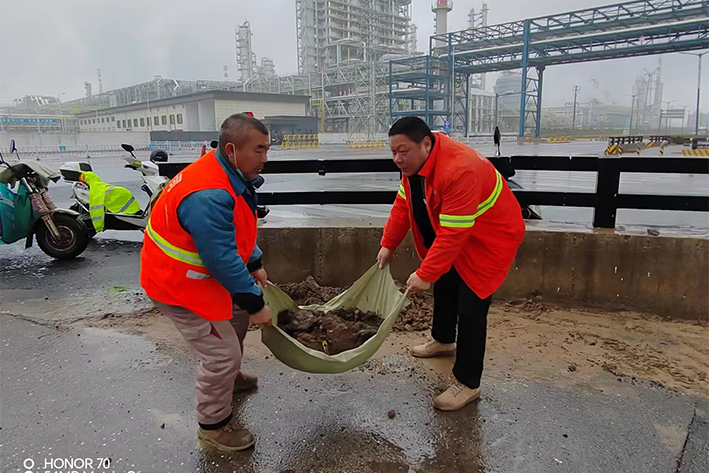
(201, 266)
(467, 226)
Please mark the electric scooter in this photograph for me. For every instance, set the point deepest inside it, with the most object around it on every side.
(152, 185)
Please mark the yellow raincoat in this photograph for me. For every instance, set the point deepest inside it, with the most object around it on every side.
(104, 197)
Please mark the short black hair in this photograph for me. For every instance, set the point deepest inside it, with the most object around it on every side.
(413, 127)
(234, 129)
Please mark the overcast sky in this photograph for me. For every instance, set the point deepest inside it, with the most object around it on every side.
(50, 47)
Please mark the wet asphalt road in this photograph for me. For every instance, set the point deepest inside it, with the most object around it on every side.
(70, 390)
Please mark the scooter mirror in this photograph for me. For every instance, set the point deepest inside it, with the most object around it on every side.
(13, 147)
(496, 137)
(214, 144)
(128, 148)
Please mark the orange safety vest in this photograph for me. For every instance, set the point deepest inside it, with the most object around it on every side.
(171, 270)
(476, 217)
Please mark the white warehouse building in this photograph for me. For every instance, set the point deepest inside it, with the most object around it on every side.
(201, 111)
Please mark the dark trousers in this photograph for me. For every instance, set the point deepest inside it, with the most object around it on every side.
(454, 303)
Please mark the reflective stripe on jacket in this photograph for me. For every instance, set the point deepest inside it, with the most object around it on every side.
(104, 197)
(171, 270)
(477, 219)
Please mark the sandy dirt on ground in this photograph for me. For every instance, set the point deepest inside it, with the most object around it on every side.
(530, 340)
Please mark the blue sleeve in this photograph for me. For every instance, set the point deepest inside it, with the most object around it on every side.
(208, 217)
(255, 261)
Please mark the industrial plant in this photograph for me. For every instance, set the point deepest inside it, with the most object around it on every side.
(360, 67)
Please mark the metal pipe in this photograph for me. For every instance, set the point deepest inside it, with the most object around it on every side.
(577, 38)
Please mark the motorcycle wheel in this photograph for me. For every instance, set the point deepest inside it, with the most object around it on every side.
(74, 237)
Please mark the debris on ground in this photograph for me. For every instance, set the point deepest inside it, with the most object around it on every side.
(415, 317)
(391, 414)
(533, 307)
(330, 332)
(596, 341)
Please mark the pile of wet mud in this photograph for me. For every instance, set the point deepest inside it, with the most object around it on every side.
(330, 332)
(415, 317)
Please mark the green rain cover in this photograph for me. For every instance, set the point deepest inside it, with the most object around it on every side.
(375, 291)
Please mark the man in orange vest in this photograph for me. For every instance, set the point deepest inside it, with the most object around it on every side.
(467, 226)
(201, 266)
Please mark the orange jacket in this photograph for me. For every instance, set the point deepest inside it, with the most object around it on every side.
(171, 270)
(477, 219)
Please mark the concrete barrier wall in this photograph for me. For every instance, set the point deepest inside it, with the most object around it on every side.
(666, 276)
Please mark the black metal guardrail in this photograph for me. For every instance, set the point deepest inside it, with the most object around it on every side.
(700, 143)
(605, 201)
(622, 140)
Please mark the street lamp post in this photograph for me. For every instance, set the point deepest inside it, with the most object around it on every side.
(61, 112)
(632, 112)
(699, 88)
(150, 124)
(573, 120)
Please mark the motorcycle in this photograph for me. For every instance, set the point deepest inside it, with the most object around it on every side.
(152, 185)
(29, 211)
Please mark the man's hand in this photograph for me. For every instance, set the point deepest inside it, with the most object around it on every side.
(262, 317)
(261, 277)
(416, 284)
(384, 256)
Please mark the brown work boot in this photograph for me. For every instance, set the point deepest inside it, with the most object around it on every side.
(456, 396)
(433, 348)
(245, 382)
(229, 438)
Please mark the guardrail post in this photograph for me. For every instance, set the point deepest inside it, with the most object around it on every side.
(607, 186)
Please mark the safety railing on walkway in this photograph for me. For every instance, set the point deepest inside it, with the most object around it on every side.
(89, 150)
(605, 201)
(177, 146)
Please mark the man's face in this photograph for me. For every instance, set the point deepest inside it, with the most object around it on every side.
(409, 156)
(251, 156)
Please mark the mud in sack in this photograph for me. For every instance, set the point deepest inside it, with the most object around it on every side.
(330, 332)
(375, 292)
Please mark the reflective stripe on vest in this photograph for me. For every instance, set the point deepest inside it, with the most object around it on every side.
(402, 192)
(128, 204)
(467, 221)
(172, 251)
(98, 212)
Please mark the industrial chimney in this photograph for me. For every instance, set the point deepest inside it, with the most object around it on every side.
(441, 8)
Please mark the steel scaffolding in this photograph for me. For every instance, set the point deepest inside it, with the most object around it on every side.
(637, 28)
